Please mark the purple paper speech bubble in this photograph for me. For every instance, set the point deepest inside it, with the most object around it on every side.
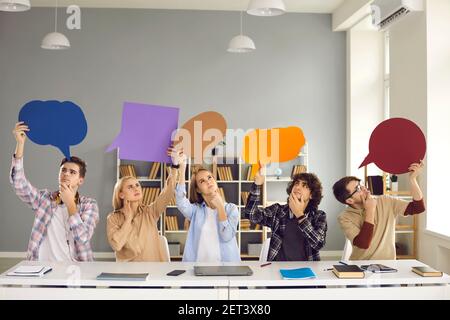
(146, 132)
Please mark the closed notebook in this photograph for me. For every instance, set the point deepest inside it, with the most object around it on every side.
(427, 272)
(123, 276)
(29, 271)
(350, 271)
(300, 273)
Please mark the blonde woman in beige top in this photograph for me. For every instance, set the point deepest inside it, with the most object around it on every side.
(132, 227)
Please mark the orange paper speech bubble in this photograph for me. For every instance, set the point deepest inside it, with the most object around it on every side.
(272, 145)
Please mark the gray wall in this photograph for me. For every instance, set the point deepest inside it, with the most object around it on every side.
(176, 58)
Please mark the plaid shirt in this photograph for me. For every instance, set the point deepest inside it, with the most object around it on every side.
(313, 226)
(43, 204)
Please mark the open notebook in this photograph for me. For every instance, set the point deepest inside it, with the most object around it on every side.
(29, 271)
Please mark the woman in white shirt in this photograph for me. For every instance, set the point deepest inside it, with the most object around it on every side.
(212, 231)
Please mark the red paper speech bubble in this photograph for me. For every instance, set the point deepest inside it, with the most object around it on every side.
(395, 144)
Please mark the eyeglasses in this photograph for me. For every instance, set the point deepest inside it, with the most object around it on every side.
(358, 188)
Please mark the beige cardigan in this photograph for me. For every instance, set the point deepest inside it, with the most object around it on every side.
(139, 241)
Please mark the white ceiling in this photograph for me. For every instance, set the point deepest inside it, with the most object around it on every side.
(314, 6)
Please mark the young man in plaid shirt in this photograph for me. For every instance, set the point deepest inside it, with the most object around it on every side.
(298, 227)
(64, 221)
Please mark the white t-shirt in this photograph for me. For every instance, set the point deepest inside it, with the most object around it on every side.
(57, 244)
(208, 246)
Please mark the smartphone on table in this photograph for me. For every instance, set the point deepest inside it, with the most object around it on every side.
(176, 272)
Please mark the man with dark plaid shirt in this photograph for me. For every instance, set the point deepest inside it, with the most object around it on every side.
(298, 227)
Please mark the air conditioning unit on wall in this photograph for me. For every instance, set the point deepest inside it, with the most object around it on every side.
(387, 12)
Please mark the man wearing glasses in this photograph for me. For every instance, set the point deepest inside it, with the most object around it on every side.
(369, 222)
(64, 221)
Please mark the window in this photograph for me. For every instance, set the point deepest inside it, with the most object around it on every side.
(438, 173)
(386, 76)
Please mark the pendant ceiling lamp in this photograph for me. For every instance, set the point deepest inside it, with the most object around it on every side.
(55, 40)
(266, 8)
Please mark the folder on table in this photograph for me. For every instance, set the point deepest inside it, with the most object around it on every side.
(122, 276)
(299, 273)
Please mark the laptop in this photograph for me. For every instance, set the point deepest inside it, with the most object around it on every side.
(222, 271)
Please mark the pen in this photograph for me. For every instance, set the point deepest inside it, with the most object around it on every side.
(329, 269)
(266, 264)
(344, 263)
(48, 270)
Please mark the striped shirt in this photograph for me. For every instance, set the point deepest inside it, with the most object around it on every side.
(44, 206)
(313, 225)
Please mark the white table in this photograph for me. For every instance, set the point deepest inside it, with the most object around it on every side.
(78, 281)
(404, 284)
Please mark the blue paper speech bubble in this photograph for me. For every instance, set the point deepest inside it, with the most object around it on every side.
(60, 124)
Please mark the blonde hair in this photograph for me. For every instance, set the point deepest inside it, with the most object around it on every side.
(194, 195)
(117, 202)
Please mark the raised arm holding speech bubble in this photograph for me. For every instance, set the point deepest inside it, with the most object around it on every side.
(303, 219)
(395, 144)
(60, 124)
(77, 216)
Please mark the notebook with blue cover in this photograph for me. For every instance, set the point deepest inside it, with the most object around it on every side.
(299, 273)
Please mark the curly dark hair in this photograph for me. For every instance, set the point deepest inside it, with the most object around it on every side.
(313, 184)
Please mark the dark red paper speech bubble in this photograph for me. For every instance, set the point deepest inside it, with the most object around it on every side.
(395, 144)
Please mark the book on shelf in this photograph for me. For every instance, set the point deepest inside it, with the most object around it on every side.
(222, 194)
(171, 223)
(154, 170)
(229, 174)
(245, 224)
(127, 170)
(298, 169)
(157, 192)
(251, 170)
(220, 173)
(172, 202)
(225, 173)
(186, 224)
(249, 173)
(152, 195)
(244, 196)
(375, 185)
(175, 223)
(350, 271)
(149, 195)
(167, 223)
